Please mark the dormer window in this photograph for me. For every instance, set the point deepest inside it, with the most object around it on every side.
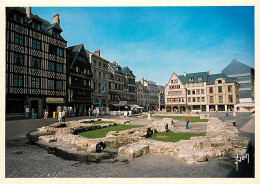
(56, 34)
(191, 79)
(36, 26)
(219, 81)
(18, 18)
(200, 78)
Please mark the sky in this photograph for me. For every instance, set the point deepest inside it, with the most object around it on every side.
(155, 42)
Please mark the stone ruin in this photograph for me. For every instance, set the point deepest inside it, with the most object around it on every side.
(221, 139)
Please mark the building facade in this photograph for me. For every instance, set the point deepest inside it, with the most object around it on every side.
(35, 63)
(195, 84)
(99, 81)
(129, 86)
(161, 98)
(79, 80)
(142, 96)
(245, 77)
(175, 95)
(222, 93)
(153, 96)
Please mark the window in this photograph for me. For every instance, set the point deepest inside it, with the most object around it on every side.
(197, 84)
(193, 84)
(200, 78)
(36, 25)
(171, 81)
(99, 64)
(188, 92)
(36, 62)
(50, 84)
(36, 82)
(18, 59)
(202, 99)
(211, 90)
(193, 92)
(36, 44)
(99, 74)
(202, 84)
(193, 99)
(56, 34)
(176, 81)
(59, 85)
(18, 39)
(229, 89)
(230, 98)
(202, 91)
(104, 65)
(188, 99)
(220, 89)
(219, 81)
(18, 18)
(191, 79)
(51, 66)
(18, 80)
(197, 91)
(59, 67)
(59, 52)
(104, 75)
(220, 99)
(95, 62)
(211, 99)
(198, 99)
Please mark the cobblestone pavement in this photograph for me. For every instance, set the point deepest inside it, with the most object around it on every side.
(29, 161)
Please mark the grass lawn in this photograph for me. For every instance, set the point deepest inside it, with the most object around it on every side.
(103, 131)
(101, 122)
(197, 119)
(174, 137)
(173, 117)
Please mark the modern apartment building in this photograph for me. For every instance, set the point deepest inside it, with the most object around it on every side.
(245, 76)
(195, 84)
(175, 95)
(99, 81)
(35, 62)
(222, 93)
(79, 80)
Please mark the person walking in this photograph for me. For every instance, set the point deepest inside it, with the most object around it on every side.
(59, 116)
(227, 114)
(45, 115)
(63, 115)
(234, 114)
(187, 122)
(95, 112)
(27, 111)
(89, 111)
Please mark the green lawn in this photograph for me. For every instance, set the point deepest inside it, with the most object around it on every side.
(174, 137)
(101, 122)
(103, 131)
(173, 117)
(192, 119)
(197, 119)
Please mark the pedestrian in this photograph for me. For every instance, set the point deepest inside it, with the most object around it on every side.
(63, 115)
(89, 112)
(27, 111)
(227, 114)
(217, 112)
(187, 122)
(234, 114)
(45, 115)
(95, 112)
(59, 116)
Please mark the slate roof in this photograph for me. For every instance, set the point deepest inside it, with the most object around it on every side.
(236, 67)
(161, 87)
(195, 76)
(73, 52)
(45, 26)
(213, 77)
(126, 70)
(245, 94)
(116, 68)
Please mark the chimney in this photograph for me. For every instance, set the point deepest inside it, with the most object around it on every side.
(184, 74)
(28, 12)
(56, 19)
(97, 52)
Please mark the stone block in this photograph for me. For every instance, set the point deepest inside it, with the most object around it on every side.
(133, 150)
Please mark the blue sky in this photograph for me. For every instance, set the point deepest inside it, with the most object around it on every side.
(157, 41)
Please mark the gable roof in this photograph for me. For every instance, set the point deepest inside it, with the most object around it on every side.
(56, 26)
(213, 77)
(116, 68)
(126, 70)
(185, 79)
(236, 67)
(73, 53)
(137, 84)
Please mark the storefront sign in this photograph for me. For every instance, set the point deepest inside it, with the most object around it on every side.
(54, 100)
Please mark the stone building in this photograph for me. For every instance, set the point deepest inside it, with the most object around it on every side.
(129, 86)
(79, 80)
(175, 95)
(245, 76)
(116, 86)
(195, 84)
(161, 98)
(142, 95)
(222, 93)
(35, 63)
(99, 81)
(153, 90)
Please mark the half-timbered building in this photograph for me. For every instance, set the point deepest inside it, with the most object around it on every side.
(35, 62)
(79, 80)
